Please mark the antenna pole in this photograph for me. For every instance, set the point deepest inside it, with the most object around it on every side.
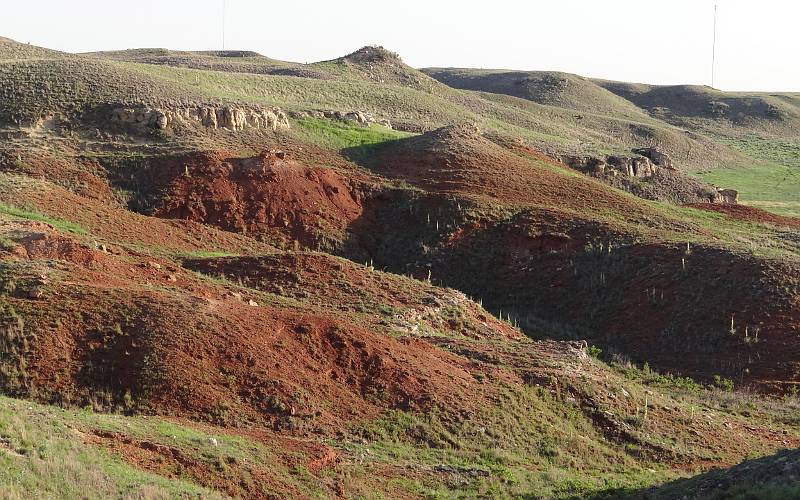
(714, 47)
(223, 24)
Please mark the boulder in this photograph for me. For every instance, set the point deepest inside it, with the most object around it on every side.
(356, 116)
(718, 108)
(208, 117)
(728, 196)
(637, 166)
(586, 164)
(658, 158)
(159, 119)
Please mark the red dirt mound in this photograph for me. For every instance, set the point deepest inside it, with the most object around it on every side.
(229, 362)
(387, 302)
(187, 347)
(241, 479)
(267, 195)
(752, 214)
(459, 159)
(112, 225)
(82, 176)
(38, 240)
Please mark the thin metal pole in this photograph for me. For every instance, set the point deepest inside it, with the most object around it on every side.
(223, 24)
(714, 47)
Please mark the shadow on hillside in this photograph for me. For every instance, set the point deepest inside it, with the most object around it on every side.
(363, 155)
(772, 477)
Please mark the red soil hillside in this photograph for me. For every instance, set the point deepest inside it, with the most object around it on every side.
(112, 226)
(538, 265)
(85, 177)
(175, 344)
(579, 278)
(334, 309)
(752, 214)
(267, 195)
(163, 340)
(384, 301)
(561, 260)
(460, 160)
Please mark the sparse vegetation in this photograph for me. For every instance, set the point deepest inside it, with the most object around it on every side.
(14, 345)
(7, 244)
(59, 224)
(51, 452)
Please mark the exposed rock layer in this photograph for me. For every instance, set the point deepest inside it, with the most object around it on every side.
(214, 117)
(651, 165)
(360, 117)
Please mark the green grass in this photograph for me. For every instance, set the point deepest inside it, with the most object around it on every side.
(703, 227)
(340, 135)
(73, 85)
(41, 455)
(556, 454)
(59, 224)
(771, 187)
(768, 478)
(772, 182)
(208, 254)
(433, 108)
(7, 243)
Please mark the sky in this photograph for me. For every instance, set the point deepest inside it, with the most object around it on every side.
(647, 41)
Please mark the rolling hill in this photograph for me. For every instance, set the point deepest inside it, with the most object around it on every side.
(761, 127)
(226, 275)
(561, 90)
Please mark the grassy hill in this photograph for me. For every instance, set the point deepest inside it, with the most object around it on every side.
(11, 50)
(551, 88)
(234, 61)
(73, 86)
(407, 97)
(761, 127)
(703, 107)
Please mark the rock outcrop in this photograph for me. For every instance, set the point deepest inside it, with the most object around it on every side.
(642, 166)
(638, 166)
(360, 117)
(213, 117)
(727, 196)
(652, 175)
(659, 158)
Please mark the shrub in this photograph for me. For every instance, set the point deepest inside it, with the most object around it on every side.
(13, 346)
(723, 383)
(6, 244)
(594, 351)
